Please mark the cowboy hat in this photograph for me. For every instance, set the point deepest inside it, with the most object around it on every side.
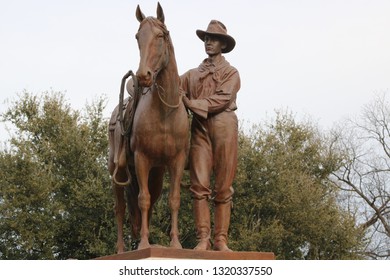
(217, 28)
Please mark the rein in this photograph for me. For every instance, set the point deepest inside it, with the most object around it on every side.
(126, 132)
(158, 87)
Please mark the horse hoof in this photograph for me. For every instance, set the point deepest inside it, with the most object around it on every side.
(120, 249)
(176, 245)
(143, 245)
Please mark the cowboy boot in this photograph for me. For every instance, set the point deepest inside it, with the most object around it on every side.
(202, 223)
(221, 226)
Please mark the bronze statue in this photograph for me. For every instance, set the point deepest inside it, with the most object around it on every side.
(158, 138)
(211, 91)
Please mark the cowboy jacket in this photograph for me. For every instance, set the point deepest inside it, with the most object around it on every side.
(211, 88)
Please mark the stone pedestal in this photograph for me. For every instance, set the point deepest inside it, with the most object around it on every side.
(169, 253)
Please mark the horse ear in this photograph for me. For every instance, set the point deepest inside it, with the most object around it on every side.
(160, 13)
(140, 16)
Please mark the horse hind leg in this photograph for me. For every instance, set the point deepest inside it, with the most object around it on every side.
(132, 192)
(156, 178)
(118, 191)
(120, 209)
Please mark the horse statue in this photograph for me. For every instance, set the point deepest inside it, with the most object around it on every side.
(158, 138)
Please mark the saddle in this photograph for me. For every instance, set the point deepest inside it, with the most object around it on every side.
(126, 112)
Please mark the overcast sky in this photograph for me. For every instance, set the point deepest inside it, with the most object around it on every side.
(321, 59)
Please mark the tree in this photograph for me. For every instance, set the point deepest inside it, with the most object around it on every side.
(284, 201)
(55, 197)
(364, 175)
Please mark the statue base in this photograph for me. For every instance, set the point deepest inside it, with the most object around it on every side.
(170, 253)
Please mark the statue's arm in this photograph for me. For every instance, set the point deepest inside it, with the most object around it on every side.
(225, 93)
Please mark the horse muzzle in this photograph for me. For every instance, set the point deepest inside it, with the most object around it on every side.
(145, 77)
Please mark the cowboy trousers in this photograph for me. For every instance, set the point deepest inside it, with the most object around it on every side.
(214, 144)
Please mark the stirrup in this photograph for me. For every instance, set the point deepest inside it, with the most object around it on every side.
(118, 182)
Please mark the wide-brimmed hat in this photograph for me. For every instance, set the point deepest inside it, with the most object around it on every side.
(217, 28)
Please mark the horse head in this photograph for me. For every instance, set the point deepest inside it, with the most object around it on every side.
(153, 43)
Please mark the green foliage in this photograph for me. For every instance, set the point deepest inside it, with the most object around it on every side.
(56, 201)
(284, 202)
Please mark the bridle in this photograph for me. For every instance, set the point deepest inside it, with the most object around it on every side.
(160, 90)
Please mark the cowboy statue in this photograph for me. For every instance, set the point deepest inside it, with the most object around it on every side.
(210, 94)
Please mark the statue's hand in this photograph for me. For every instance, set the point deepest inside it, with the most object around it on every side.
(186, 101)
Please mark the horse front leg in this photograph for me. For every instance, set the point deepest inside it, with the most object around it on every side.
(176, 169)
(142, 167)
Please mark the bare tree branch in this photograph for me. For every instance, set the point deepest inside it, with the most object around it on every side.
(365, 172)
